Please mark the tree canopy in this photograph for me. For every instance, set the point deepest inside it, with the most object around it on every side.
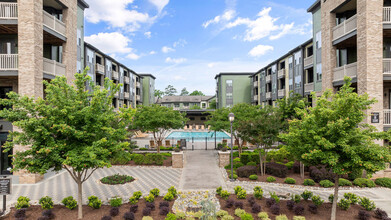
(197, 93)
(288, 106)
(72, 128)
(159, 93)
(184, 92)
(170, 90)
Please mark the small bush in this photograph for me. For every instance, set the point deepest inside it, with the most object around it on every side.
(173, 191)
(147, 218)
(251, 163)
(164, 204)
(263, 215)
(246, 171)
(289, 180)
(239, 212)
(298, 218)
(94, 202)
(380, 214)
(114, 211)
(20, 213)
(246, 216)
(133, 208)
(150, 205)
(227, 217)
(242, 194)
(289, 165)
(251, 200)
(313, 208)
(364, 215)
(237, 165)
(290, 204)
(133, 200)
(238, 205)
(164, 211)
(256, 208)
(43, 218)
(344, 182)
(155, 192)
(137, 195)
(253, 177)
(22, 202)
(385, 182)
(344, 204)
(317, 200)
(367, 204)
(270, 179)
(282, 217)
(149, 198)
(229, 203)
(306, 195)
(146, 211)
(116, 179)
(362, 182)
(355, 174)
(274, 196)
(352, 197)
(298, 209)
(218, 190)
(296, 198)
(237, 189)
(331, 198)
(106, 217)
(48, 213)
(258, 194)
(69, 202)
(309, 182)
(115, 202)
(221, 213)
(276, 169)
(129, 216)
(321, 174)
(275, 209)
(138, 159)
(326, 183)
(225, 194)
(46, 202)
(168, 197)
(270, 202)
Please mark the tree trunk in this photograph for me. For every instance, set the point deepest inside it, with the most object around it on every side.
(301, 170)
(264, 164)
(335, 200)
(80, 199)
(261, 162)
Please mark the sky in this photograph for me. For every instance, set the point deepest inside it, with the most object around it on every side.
(185, 43)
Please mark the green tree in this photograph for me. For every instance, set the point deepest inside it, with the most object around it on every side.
(170, 90)
(197, 93)
(195, 107)
(218, 120)
(184, 92)
(159, 93)
(158, 120)
(333, 134)
(263, 131)
(72, 129)
(213, 104)
(288, 106)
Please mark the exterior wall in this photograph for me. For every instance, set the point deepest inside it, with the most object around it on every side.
(316, 25)
(146, 91)
(80, 33)
(241, 89)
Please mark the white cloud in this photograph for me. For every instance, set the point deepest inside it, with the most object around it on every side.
(147, 34)
(180, 43)
(160, 4)
(133, 56)
(226, 16)
(175, 60)
(260, 50)
(211, 65)
(166, 49)
(152, 52)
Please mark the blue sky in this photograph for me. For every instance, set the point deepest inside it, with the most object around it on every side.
(185, 43)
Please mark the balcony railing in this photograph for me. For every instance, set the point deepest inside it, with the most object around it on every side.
(53, 23)
(309, 87)
(127, 95)
(8, 61)
(281, 92)
(53, 67)
(138, 84)
(281, 73)
(345, 28)
(256, 98)
(126, 79)
(100, 68)
(8, 10)
(387, 117)
(268, 95)
(255, 83)
(308, 61)
(386, 14)
(387, 66)
(115, 75)
(138, 97)
(268, 78)
(346, 70)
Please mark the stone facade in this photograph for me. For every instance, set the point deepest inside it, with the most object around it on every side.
(177, 159)
(223, 158)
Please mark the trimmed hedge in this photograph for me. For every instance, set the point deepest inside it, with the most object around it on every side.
(385, 182)
(247, 157)
(362, 182)
(276, 169)
(246, 171)
(321, 174)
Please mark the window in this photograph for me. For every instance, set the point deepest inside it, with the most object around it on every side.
(319, 71)
(229, 83)
(229, 96)
(318, 39)
(176, 105)
(3, 94)
(297, 82)
(203, 119)
(186, 104)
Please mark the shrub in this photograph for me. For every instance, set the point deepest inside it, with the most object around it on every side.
(367, 204)
(22, 202)
(263, 215)
(317, 200)
(168, 197)
(296, 167)
(364, 215)
(146, 211)
(121, 158)
(221, 213)
(352, 197)
(251, 163)
(173, 191)
(258, 188)
(275, 209)
(229, 203)
(225, 194)
(253, 177)
(180, 215)
(258, 194)
(362, 182)
(20, 213)
(282, 217)
(94, 202)
(246, 171)
(256, 208)
(133, 200)
(296, 198)
(309, 182)
(227, 217)
(290, 204)
(326, 183)
(270, 179)
(218, 190)
(147, 218)
(274, 196)
(164, 211)
(289, 165)
(156, 159)
(289, 180)
(138, 159)
(276, 169)
(331, 198)
(106, 217)
(306, 195)
(237, 189)
(155, 192)
(238, 205)
(246, 216)
(69, 202)
(248, 157)
(43, 218)
(270, 202)
(344, 182)
(380, 214)
(133, 208)
(298, 209)
(137, 195)
(164, 204)
(344, 204)
(150, 205)
(251, 200)
(237, 165)
(115, 202)
(129, 216)
(46, 202)
(298, 218)
(313, 208)
(114, 211)
(321, 174)
(116, 179)
(355, 174)
(242, 194)
(385, 182)
(239, 212)
(48, 213)
(149, 198)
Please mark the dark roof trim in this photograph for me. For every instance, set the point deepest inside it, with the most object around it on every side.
(233, 74)
(82, 4)
(340, 6)
(147, 75)
(314, 6)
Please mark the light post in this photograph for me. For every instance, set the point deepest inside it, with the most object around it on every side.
(231, 118)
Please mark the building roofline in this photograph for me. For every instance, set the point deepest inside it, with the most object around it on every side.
(147, 74)
(314, 6)
(233, 73)
(83, 4)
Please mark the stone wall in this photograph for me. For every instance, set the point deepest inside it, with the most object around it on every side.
(177, 159)
(223, 158)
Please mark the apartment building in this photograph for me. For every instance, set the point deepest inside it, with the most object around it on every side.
(186, 102)
(232, 88)
(148, 89)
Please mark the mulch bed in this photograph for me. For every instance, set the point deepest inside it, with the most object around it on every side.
(62, 213)
(324, 211)
(166, 163)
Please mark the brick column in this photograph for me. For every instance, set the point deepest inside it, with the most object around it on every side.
(177, 159)
(70, 46)
(223, 158)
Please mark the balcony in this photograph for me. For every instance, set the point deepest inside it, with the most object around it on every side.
(308, 61)
(126, 79)
(345, 28)
(387, 117)
(116, 94)
(387, 66)
(281, 92)
(281, 73)
(127, 95)
(268, 78)
(115, 74)
(268, 95)
(138, 98)
(387, 15)
(8, 10)
(255, 97)
(54, 24)
(8, 62)
(53, 67)
(309, 87)
(100, 68)
(346, 70)
(138, 84)
(255, 83)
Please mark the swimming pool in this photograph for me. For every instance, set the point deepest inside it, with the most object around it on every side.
(200, 136)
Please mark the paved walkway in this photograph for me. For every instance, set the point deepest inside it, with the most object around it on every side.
(201, 171)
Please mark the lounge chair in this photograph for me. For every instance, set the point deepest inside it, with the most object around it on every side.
(185, 128)
(202, 127)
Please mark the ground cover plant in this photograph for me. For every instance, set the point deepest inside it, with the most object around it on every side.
(116, 179)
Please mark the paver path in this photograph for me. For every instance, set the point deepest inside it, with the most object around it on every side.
(201, 171)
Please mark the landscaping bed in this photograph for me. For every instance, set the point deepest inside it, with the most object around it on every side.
(142, 159)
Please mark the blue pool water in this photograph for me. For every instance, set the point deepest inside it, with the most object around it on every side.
(200, 136)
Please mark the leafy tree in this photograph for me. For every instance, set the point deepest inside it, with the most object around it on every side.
(218, 120)
(263, 131)
(72, 129)
(332, 133)
(197, 93)
(195, 107)
(158, 120)
(159, 93)
(184, 92)
(170, 90)
(213, 104)
(288, 106)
